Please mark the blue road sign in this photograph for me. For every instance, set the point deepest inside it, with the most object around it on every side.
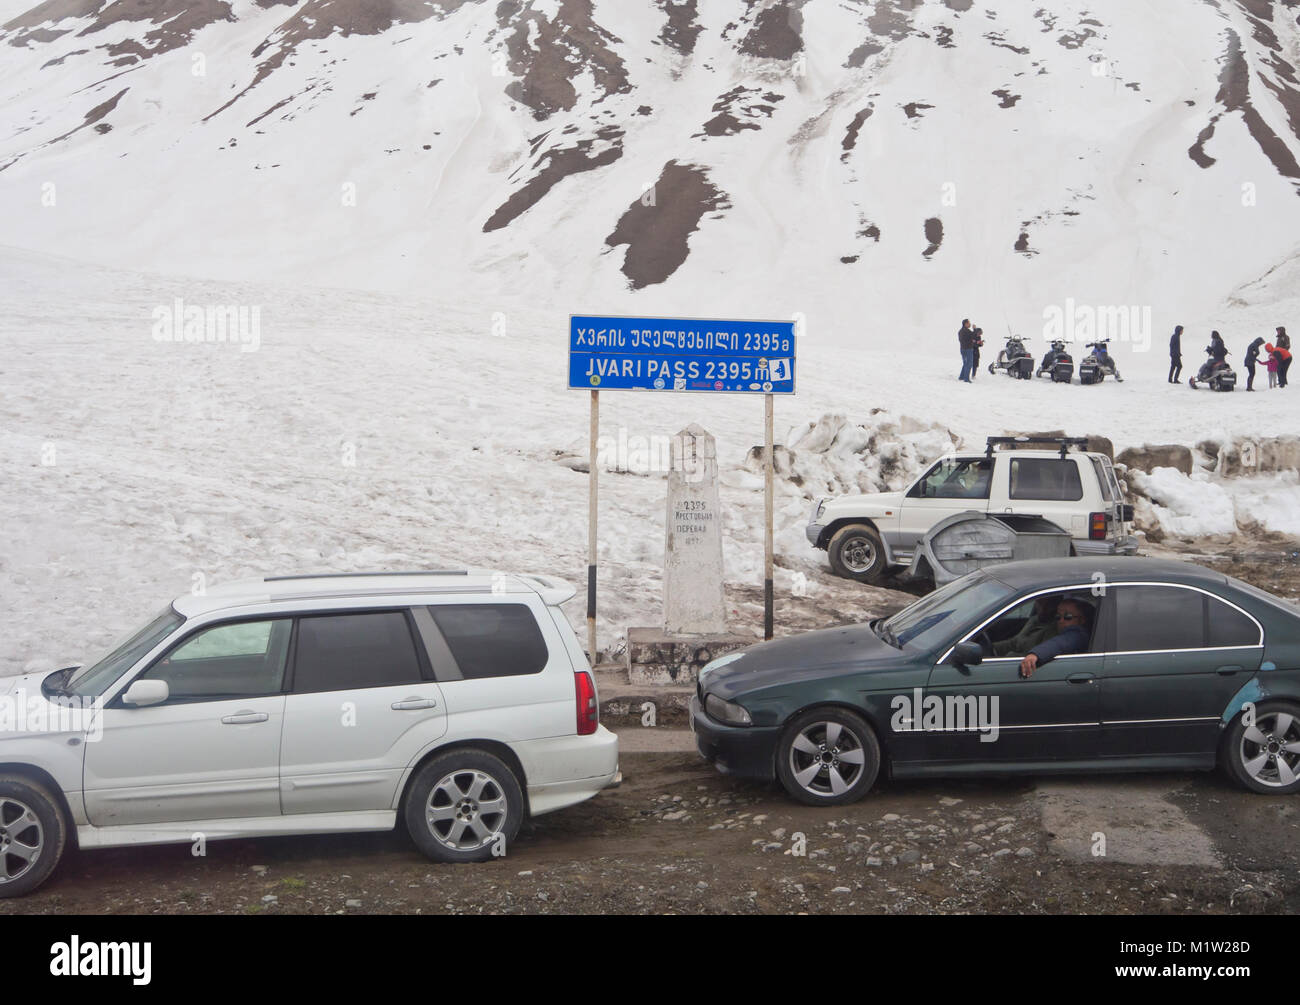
(677, 354)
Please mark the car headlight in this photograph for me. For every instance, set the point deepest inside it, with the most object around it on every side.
(819, 507)
(726, 711)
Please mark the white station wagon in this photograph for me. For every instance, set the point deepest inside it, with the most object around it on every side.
(460, 702)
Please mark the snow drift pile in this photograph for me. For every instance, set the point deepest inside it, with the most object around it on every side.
(834, 456)
(1224, 486)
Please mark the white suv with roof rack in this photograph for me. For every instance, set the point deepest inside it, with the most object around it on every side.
(459, 702)
(1054, 478)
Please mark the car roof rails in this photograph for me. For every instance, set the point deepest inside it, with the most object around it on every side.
(361, 575)
(1063, 442)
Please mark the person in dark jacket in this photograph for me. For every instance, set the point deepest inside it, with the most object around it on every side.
(1217, 348)
(1074, 631)
(976, 342)
(966, 340)
(1283, 342)
(1252, 357)
(1283, 357)
(1176, 355)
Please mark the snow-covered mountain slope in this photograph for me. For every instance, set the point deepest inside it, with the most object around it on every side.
(880, 167)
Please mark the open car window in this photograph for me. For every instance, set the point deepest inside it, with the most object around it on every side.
(946, 612)
(1014, 632)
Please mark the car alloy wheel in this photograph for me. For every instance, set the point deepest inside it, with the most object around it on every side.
(826, 759)
(466, 810)
(22, 839)
(827, 756)
(465, 805)
(1269, 749)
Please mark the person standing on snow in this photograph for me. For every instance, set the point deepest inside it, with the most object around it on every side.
(1252, 357)
(1176, 355)
(1283, 357)
(1271, 366)
(966, 341)
(977, 340)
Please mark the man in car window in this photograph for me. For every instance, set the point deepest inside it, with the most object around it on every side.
(1074, 630)
(1040, 626)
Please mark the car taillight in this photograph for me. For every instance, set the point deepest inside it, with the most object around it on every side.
(1097, 526)
(588, 708)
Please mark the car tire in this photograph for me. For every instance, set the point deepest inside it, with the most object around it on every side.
(33, 835)
(828, 756)
(464, 806)
(1264, 756)
(857, 552)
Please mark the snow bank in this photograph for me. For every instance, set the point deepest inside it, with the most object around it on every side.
(1185, 506)
(834, 456)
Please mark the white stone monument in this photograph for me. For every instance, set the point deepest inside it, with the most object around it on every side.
(693, 596)
(695, 622)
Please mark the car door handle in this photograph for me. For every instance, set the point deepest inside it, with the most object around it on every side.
(240, 718)
(409, 703)
(1080, 678)
(1228, 671)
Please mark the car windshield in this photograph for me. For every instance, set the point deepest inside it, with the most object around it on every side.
(93, 680)
(945, 612)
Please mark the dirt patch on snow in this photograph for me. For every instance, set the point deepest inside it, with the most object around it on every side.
(933, 234)
(319, 19)
(777, 32)
(851, 134)
(554, 166)
(682, 28)
(736, 110)
(1234, 96)
(562, 50)
(656, 234)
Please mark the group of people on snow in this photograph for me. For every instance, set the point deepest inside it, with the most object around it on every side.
(1274, 356)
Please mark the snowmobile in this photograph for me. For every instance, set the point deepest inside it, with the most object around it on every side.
(1097, 364)
(1217, 374)
(1015, 360)
(1058, 363)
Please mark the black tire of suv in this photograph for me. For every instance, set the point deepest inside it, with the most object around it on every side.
(54, 831)
(1230, 754)
(845, 537)
(463, 760)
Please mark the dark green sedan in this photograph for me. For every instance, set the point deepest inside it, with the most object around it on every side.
(1083, 665)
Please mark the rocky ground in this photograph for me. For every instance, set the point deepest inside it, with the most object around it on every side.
(679, 838)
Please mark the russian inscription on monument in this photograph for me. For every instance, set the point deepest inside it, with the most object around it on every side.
(693, 595)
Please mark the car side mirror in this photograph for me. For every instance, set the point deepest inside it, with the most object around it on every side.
(146, 692)
(966, 654)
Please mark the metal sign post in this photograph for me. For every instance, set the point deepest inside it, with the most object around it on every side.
(767, 517)
(591, 530)
(680, 354)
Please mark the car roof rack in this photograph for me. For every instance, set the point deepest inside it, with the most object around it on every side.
(1063, 442)
(360, 575)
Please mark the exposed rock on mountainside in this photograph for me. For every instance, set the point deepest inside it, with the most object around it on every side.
(656, 229)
